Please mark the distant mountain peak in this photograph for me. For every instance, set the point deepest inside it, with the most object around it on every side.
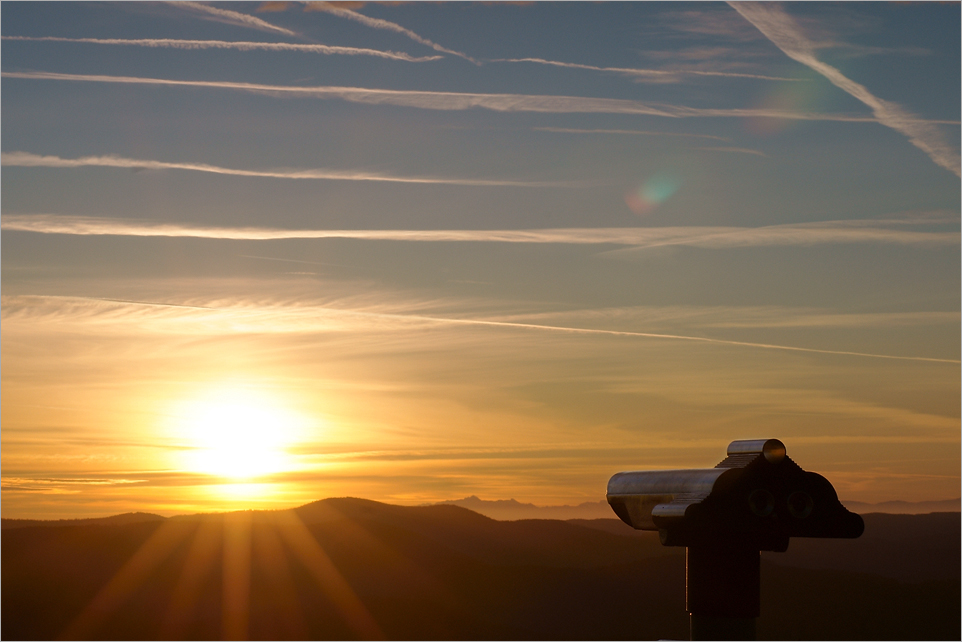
(474, 500)
(512, 509)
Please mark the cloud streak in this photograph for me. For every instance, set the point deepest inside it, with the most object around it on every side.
(377, 23)
(232, 17)
(169, 43)
(456, 101)
(26, 159)
(803, 234)
(649, 75)
(625, 132)
(637, 237)
(784, 33)
(736, 150)
(753, 317)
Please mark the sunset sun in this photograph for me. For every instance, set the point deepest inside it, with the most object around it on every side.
(237, 435)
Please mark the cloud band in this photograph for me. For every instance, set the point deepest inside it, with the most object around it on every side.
(833, 232)
(455, 101)
(26, 159)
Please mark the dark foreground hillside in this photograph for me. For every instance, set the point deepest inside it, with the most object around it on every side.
(350, 568)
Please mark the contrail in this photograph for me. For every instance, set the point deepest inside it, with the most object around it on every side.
(455, 101)
(232, 17)
(638, 238)
(26, 159)
(656, 75)
(377, 23)
(782, 31)
(677, 337)
(534, 326)
(169, 43)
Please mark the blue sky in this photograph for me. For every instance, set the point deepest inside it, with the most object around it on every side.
(490, 249)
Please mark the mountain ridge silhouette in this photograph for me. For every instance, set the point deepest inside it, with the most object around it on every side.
(444, 572)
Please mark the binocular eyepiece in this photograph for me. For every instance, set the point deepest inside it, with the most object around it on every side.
(756, 497)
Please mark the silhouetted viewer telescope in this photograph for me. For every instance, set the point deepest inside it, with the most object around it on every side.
(754, 500)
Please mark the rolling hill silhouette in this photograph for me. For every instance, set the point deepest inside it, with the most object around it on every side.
(125, 518)
(352, 568)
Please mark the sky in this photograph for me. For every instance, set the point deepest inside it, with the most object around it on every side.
(259, 254)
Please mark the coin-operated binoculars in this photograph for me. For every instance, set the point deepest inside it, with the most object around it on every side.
(754, 500)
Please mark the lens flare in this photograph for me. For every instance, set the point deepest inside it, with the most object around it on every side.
(657, 189)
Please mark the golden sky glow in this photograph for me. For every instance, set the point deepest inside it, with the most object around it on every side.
(240, 273)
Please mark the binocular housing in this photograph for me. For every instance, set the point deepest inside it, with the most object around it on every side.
(757, 497)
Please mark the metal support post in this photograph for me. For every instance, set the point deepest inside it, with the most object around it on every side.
(723, 591)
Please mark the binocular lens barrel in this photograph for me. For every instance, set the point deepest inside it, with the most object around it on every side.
(800, 504)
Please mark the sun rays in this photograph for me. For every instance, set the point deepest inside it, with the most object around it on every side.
(245, 548)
